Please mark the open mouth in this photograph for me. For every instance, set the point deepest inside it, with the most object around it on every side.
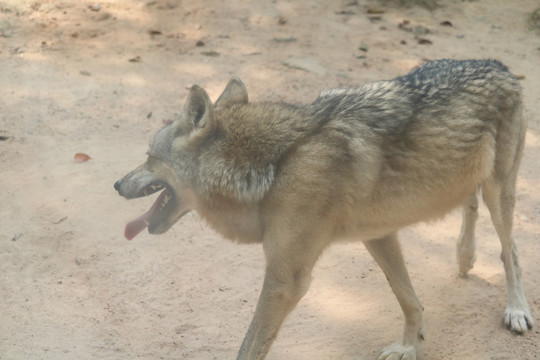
(164, 205)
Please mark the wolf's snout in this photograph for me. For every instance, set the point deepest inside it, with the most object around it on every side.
(117, 185)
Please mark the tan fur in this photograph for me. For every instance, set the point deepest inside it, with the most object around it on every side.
(356, 164)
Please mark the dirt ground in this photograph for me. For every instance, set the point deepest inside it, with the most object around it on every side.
(100, 78)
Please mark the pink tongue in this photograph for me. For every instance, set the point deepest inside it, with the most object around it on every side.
(134, 227)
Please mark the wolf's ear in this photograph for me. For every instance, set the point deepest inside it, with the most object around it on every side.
(198, 110)
(235, 93)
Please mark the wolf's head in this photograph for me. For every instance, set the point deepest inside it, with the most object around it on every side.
(172, 163)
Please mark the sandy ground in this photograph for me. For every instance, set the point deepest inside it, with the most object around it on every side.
(101, 78)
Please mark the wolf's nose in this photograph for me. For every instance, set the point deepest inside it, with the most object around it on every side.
(117, 185)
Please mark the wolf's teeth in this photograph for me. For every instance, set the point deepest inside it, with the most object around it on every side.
(154, 187)
(166, 199)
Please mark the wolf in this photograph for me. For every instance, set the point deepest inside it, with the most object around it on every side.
(357, 165)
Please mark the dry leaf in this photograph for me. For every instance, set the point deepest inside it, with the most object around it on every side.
(81, 157)
(210, 53)
(375, 11)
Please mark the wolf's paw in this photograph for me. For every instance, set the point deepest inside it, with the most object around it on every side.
(518, 321)
(465, 256)
(398, 351)
(466, 263)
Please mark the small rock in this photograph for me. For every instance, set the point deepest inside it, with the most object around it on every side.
(421, 30)
(405, 25)
(375, 19)
(95, 7)
(345, 12)
(417, 30)
(363, 47)
(306, 63)
(46, 7)
(424, 41)
(285, 39)
(6, 30)
(102, 16)
(534, 20)
(16, 50)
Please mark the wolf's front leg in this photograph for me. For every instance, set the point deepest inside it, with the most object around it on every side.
(287, 279)
(387, 253)
(277, 299)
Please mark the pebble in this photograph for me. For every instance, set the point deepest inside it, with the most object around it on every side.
(306, 63)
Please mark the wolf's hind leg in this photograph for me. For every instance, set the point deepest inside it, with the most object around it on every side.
(387, 252)
(499, 196)
(466, 244)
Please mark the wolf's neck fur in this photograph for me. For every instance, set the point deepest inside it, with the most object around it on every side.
(251, 140)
